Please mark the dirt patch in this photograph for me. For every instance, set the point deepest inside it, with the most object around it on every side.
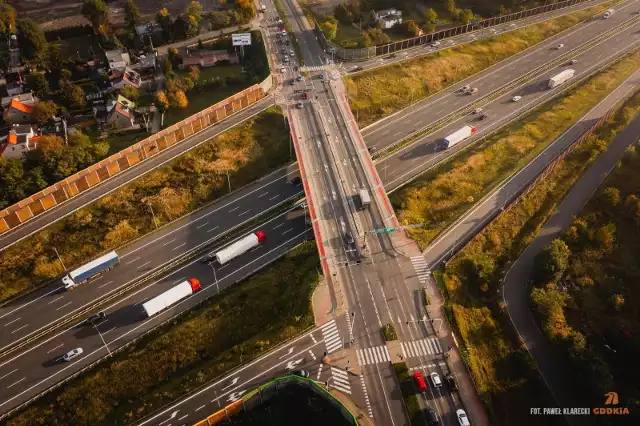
(324, 7)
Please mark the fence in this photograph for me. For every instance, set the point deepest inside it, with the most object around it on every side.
(270, 390)
(21, 212)
(373, 51)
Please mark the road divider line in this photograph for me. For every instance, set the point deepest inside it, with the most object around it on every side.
(131, 261)
(18, 329)
(177, 247)
(57, 347)
(9, 373)
(9, 323)
(65, 305)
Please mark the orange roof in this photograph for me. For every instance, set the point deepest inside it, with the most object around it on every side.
(13, 138)
(16, 104)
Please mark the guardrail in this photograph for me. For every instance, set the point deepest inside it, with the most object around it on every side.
(74, 185)
(362, 54)
(438, 124)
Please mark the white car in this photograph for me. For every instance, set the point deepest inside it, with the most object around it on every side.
(282, 69)
(435, 379)
(477, 111)
(573, 62)
(465, 88)
(435, 44)
(472, 91)
(72, 354)
(560, 46)
(516, 98)
(462, 418)
(299, 105)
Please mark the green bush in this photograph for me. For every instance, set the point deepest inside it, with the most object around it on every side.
(389, 332)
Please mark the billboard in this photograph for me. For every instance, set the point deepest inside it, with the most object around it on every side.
(241, 39)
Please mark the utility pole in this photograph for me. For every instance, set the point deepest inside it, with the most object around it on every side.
(60, 258)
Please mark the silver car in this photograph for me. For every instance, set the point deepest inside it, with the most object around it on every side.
(74, 353)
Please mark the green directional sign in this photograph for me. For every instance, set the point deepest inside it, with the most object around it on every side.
(383, 231)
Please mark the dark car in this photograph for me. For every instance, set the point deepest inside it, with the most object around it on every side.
(483, 117)
(348, 238)
(208, 258)
(299, 78)
(432, 417)
(295, 181)
(301, 373)
(96, 318)
(451, 382)
(305, 95)
(292, 82)
(356, 69)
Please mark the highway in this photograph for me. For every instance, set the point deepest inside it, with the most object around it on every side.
(39, 367)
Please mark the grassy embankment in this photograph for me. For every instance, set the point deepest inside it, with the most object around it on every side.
(589, 308)
(443, 194)
(503, 371)
(242, 323)
(247, 152)
(383, 91)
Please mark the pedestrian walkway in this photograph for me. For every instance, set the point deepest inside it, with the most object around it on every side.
(340, 380)
(331, 336)
(317, 68)
(442, 364)
(421, 268)
(430, 346)
(374, 355)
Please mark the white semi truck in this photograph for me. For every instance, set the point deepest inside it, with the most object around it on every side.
(560, 78)
(171, 296)
(458, 136)
(241, 246)
(90, 270)
(365, 198)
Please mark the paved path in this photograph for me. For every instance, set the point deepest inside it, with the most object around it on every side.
(516, 292)
(253, 25)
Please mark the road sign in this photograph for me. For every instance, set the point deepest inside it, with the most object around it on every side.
(241, 39)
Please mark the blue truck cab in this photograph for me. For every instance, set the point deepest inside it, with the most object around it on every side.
(90, 270)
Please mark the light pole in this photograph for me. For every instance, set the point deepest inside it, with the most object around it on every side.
(60, 258)
(153, 215)
(229, 182)
(353, 321)
(424, 320)
(103, 341)
(214, 275)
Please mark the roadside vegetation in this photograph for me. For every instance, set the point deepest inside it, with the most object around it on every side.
(502, 369)
(442, 195)
(244, 322)
(380, 92)
(409, 393)
(244, 153)
(389, 332)
(585, 293)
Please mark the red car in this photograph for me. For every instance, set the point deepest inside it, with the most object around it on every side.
(422, 385)
(305, 95)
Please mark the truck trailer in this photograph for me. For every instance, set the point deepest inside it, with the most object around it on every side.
(560, 78)
(608, 13)
(90, 270)
(365, 198)
(458, 136)
(171, 296)
(240, 247)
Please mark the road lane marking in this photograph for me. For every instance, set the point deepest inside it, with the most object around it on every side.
(16, 383)
(263, 194)
(9, 323)
(111, 329)
(200, 408)
(274, 197)
(11, 372)
(57, 347)
(183, 417)
(16, 330)
(55, 300)
(234, 209)
(204, 224)
(244, 212)
(213, 229)
(65, 305)
(177, 247)
(168, 242)
(28, 303)
(278, 226)
(107, 283)
(143, 265)
(131, 261)
(287, 231)
(312, 355)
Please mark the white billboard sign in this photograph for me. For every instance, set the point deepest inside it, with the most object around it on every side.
(241, 39)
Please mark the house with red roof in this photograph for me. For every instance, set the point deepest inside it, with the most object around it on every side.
(21, 139)
(18, 112)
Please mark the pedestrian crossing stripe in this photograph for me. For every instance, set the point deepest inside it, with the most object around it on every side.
(421, 268)
(340, 380)
(331, 336)
(373, 355)
(366, 397)
(422, 347)
(316, 68)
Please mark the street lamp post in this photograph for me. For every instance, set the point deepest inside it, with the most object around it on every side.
(103, 341)
(215, 277)
(60, 259)
(153, 215)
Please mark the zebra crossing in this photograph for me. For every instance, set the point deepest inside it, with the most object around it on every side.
(373, 355)
(331, 336)
(421, 268)
(316, 68)
(340, 380)
(366, 396)
(421, 347)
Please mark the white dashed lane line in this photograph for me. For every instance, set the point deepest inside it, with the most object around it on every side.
(57, 347)
(168, 242)
(63, 306)
(55, 300)
(177, 247)
(9, 323)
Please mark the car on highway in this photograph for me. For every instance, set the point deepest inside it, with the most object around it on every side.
(573, 62)
(95, 318)
(292, 53)
(462, 418)
(392, 56)
(432, 417)
(465, 89)
(483, 117)
(348, 238)
(286, 59)
(472, 91)
(420, 383)
(451, 382)
(356, 69)
(435, 380)
(295, 181)
(299, 105)
(282, 69)
(305, 95)
(435, 44)
(299, 78)
(516, 98)
(301, 373)
(74, 353)
(292, 82)
(477, 111)
(559, 46)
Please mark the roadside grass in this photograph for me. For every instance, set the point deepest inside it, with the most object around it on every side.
(347, 36)
(244, 322)
(503, 371)
(380, 92)
(247, 152)
(442, 195)
(408, 393)
(121, 140)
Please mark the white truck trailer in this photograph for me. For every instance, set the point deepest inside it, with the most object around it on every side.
(608, 13)
(560, 78)
(365, 198)
(241, 246)
(171, 296)
(90, 270)
(459, 136)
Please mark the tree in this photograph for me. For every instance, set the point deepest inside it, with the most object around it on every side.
(194, 73)
(412, 28)
(378, 36)
(430, 20)
(162, 103)
(219, 20)
(342, 14)
(365, 40)
(451, 7)
(32, 41)
(551, 262)
(174, 56)
(465, 16)
(329, 29)
(55, 60)
(610, 197)
(7, 18)
(178, 99)
(195, 10)
(130, 92)
(44, 111)
(167, 67)
(180, 28)
(131, 13)
(164, 20)
(96, 11)
(72, 95)
(38, 83)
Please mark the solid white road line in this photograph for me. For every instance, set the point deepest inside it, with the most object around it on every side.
(57, 347)
(64, 306)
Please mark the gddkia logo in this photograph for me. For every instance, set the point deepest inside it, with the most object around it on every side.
(611, 398)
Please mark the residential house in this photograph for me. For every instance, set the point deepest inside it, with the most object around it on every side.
(21, 139)
(19, 112)
(121, 117)
(128, 77)
(146, 63)
(388, 17)
(14, 84)
(206, 58)
(25, 98)
(117, 59)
